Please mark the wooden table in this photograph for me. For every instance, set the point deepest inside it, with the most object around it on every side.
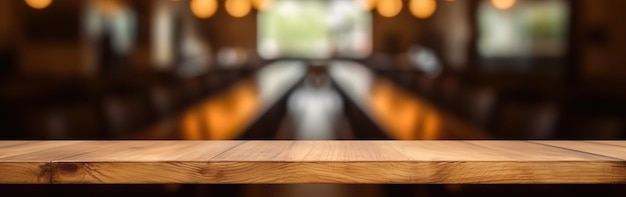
(401, 114)
(156, 162)
(226, 115)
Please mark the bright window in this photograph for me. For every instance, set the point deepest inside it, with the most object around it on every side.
(533, 29)
(314, 29)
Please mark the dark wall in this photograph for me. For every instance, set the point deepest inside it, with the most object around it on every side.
(223, 30)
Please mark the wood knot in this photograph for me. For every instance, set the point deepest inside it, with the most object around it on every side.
(68, 167)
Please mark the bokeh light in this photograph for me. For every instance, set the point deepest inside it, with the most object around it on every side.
(389, 8)
(238, 8)
(262, 4)
(503, 4)
(423, 8)
(203, 8)
(38, 4)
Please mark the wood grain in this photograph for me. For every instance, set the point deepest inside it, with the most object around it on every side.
(24, 172)
(609, 149)
(156, 162)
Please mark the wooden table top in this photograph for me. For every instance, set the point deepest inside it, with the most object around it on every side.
(156, 162)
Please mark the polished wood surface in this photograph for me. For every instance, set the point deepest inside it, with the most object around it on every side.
(401, 114)
(105, 162)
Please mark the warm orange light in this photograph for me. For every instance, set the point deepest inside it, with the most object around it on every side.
(389, 8)
(396, 111)
(203, 8)
(423, 8)
(238, 8)
(503, 4)
(191, 127)
(38, 4)
(227, 114)
(432, 126)
(262, 4)
(368, 4)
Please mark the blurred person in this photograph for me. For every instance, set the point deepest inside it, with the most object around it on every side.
(111, 26)
(315, 106)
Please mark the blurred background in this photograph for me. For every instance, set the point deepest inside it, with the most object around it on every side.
(313, 70)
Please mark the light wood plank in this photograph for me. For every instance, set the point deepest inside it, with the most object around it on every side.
(33, 170)
(139, 162)
(29, 149)
(142, 151)
(361, 162)
(608, 150)
(8, 144)
(99, 162)
(400, 151)
(320, 151)
(28, 162)
(612, 142)
(420, 162)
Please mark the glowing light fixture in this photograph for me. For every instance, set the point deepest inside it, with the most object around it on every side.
(238, 8)
(203, 8)
(261, 4)
(423, 8)
(389, 8)
(503, 4)
(38, 4)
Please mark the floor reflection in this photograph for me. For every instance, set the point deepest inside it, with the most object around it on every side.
(315, 108)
